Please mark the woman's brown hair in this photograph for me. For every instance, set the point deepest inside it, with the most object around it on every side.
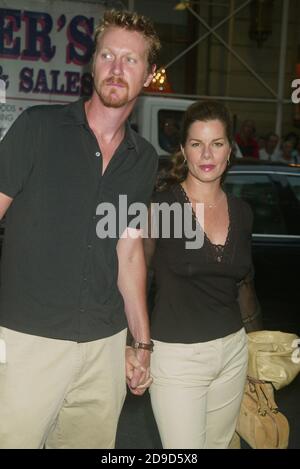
(200, 111)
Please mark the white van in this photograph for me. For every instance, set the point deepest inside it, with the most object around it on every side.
(157, 118)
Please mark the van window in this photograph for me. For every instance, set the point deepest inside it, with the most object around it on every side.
(169, 129)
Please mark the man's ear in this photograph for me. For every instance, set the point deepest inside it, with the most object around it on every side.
(150, 76)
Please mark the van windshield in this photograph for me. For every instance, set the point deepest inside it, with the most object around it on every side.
(169, 123)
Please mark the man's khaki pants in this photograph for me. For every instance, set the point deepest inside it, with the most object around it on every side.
(58, 393)
(197, 391)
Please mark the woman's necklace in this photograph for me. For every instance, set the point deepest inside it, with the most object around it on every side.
(209, 205)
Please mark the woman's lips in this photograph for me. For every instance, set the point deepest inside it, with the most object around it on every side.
(207, 167)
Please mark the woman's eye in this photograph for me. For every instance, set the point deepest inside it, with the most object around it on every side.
(218, 144)
(195, 144)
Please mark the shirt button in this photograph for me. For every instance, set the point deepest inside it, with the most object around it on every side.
(97, 153)
(84, 279)
(81, 310)
(89, 246)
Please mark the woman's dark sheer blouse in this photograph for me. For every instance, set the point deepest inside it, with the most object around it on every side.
(197, 289)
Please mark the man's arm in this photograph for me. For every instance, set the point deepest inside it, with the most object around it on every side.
(132, 285)
(5, 202)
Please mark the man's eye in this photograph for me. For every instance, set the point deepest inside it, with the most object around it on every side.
(218, 144)
(131, 60)
(106, 55)
(195, 144)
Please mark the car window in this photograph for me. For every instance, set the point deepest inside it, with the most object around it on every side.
(294, 182)
(261, 194)
(168, 129)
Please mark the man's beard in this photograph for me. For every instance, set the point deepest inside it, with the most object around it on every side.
(108, 94)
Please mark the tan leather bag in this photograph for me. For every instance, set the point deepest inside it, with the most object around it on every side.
(235, 442)
(260, 423)
(273, 356)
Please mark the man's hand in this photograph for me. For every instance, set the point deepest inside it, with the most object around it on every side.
(137, 370)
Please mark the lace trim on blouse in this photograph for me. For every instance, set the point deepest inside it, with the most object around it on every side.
(215, 252)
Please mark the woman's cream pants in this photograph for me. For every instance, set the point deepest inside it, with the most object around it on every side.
(197, 390)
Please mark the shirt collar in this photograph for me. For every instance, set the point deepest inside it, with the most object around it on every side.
(75, 115)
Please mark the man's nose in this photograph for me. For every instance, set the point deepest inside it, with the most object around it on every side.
(117, 66)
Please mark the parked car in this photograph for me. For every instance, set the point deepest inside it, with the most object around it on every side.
(273, 192)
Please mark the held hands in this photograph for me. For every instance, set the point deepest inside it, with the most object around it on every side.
(137, 370)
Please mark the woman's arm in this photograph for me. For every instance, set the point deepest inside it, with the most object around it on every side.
(249, 305)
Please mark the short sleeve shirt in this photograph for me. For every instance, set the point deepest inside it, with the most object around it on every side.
(58, 277)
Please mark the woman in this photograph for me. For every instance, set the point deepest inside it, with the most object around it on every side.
(199, 362)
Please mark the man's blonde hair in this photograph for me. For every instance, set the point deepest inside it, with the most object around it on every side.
(132, 22)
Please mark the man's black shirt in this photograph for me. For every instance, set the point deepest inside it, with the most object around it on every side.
(58, 279)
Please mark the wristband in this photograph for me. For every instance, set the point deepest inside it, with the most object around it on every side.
(142, 345)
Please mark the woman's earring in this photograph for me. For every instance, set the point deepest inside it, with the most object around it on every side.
(184, 158)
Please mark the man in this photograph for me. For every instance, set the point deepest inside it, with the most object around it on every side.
(65, 287)
(245, 140)
(169, 134)
(271, 152)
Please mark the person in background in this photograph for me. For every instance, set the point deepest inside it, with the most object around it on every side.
(204, 296)
(294, 139)
(246, 141)
(271, 151)
(66, 290)
(169, 134)
(261, 141)
(288, 153)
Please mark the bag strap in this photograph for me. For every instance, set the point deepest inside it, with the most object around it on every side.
(264, 394)
(266, 389)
